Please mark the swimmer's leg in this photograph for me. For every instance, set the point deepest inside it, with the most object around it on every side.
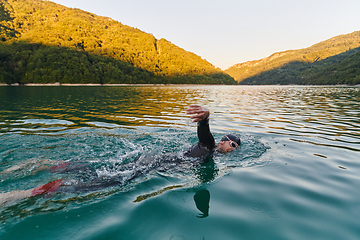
(68, 167)
(59, 168)
(21, 194)
(91, 186)
(47, 188)
(43, 165)
(14, 196)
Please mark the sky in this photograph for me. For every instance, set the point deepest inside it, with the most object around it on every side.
(227, 32)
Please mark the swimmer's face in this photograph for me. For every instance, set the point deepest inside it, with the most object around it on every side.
(227, 146)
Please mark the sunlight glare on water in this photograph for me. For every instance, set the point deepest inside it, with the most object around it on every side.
(295, 175)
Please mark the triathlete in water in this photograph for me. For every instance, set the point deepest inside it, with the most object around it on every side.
(199, 153)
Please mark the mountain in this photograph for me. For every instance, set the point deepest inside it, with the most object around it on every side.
(41, 41)
(347, 71)
(334, 61)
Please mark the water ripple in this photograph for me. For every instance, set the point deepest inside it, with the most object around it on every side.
(297, 166)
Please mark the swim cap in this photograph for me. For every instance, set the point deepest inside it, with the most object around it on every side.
(232, 137)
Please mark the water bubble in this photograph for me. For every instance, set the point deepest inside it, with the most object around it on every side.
(177, 237)
(256, 207)
(273, 214)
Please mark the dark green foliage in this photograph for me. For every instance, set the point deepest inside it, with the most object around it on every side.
(43, 42)
(334, 61)
(35, 63)
(346, 71)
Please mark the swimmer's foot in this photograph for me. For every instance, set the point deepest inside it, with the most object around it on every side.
(59, 168)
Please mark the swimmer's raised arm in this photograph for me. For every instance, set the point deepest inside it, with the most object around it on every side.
(199, 113)
(201, 116)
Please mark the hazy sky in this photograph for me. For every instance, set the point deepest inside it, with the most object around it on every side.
(226, 32)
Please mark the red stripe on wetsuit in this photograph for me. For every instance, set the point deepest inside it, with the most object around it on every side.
(47, 188)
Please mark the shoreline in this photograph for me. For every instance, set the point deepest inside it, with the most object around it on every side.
(149, 85)
(106, 84)
(77, 84)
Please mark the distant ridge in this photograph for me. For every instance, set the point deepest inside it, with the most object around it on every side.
(334, 61)
(44, 42)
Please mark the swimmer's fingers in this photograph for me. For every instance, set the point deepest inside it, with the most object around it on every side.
(199, 113)
(197, 109)
(195, 106)
(193, 109)
(195, 120)
(197, 117)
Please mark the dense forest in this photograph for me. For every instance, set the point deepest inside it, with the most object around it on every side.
(44, 42)
(334, 61)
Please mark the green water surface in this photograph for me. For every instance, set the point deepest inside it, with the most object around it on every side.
(295, 176)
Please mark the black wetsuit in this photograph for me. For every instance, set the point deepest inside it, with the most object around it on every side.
(204, 148)
(199, 153)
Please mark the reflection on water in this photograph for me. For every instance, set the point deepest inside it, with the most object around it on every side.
(328, 116)
(202, 200)
(83, 105)
(295, 174)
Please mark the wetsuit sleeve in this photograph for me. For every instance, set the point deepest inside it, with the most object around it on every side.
(204, 134)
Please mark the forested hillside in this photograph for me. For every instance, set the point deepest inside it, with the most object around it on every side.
(334, 61)
(44, 42)
(346, 71)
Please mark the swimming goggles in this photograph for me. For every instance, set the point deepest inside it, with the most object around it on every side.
(232, 143)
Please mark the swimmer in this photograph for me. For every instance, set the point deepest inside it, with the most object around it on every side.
(199, 153)
(206, 145)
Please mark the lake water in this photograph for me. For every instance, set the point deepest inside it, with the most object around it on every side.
(295, 176)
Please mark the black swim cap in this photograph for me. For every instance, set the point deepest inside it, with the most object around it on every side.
(232, 137)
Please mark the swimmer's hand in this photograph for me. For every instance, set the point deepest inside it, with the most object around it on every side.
(199, 113)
